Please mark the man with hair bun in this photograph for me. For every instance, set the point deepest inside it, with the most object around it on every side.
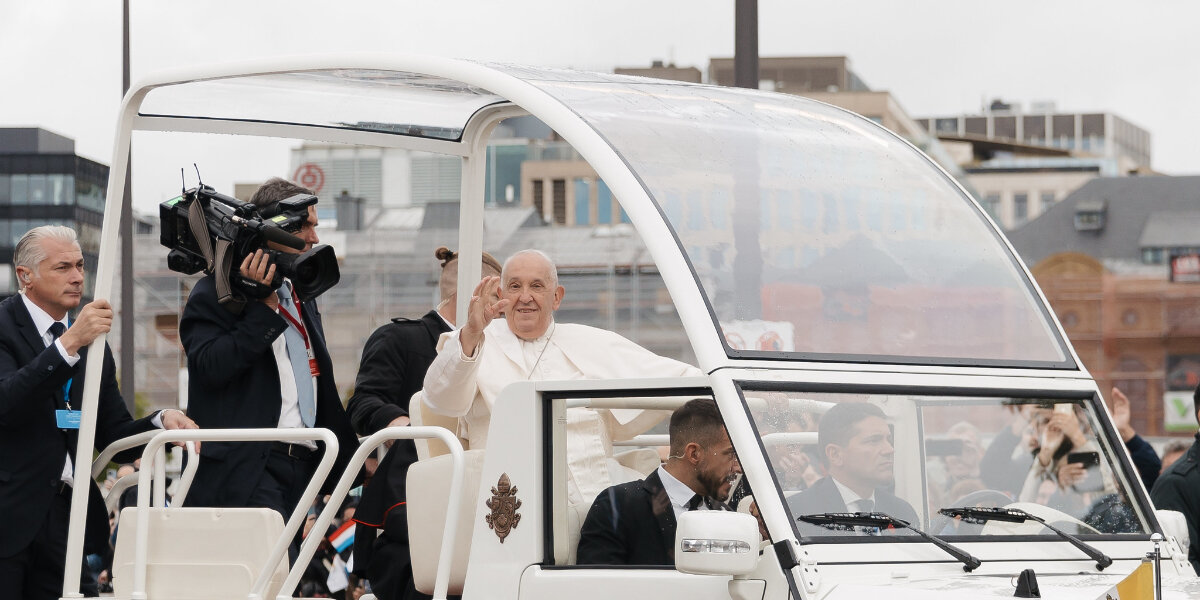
(392, 369)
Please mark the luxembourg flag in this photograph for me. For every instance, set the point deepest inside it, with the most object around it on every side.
(343, 537)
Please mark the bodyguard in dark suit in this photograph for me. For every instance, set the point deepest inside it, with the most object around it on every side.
(248, 369)
(42, 359)
(634, 523)
(856, 445)
(392, 369)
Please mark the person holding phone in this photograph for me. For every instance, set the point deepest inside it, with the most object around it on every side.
(1067, 456)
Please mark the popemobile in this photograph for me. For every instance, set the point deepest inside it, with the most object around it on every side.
(812, 259)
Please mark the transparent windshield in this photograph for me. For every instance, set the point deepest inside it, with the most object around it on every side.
(913, 456)
(814, 232)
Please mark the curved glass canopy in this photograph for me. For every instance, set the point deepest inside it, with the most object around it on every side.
(812, 233)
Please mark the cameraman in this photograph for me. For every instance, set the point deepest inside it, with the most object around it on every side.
(263, 366)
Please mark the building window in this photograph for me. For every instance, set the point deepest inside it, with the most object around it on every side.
(604, 202)
(1129, 317)
(946, 125)
(20, 190)
(1047, 200)
(558, 190)
(991, 205)
(976, 126)
(695, 212)
(538, 192)
(38, 195)
(1020, 208)
(1152, 256)
(582, 190)
(1069, 319)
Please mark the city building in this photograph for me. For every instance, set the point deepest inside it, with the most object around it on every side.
(43, 182)
(1103, 257)
(1021, 163)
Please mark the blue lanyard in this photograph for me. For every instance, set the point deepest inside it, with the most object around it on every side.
(67, 387)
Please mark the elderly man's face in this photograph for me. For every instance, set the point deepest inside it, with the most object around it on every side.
(535, 297)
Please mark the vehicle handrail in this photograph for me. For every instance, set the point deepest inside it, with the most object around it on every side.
(365, 448)
(120, 445)
(189, 473)
(646, 439)
(113, 499)
(779, 438)
(158, 442)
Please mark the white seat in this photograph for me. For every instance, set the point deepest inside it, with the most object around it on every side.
(198, 553)
(428, 499)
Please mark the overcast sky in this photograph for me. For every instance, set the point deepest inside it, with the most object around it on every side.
(60, 62)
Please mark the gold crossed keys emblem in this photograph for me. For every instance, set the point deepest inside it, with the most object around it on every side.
(504, 505)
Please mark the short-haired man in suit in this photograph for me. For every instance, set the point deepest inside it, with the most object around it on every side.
(856, 444)
(634, 523)
(263, 366)
(42, 361)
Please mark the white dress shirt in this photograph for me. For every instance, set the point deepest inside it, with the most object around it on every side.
(851, 498)
(289, 407)
(680, 494)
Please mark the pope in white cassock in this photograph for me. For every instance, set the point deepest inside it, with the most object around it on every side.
(476, 362)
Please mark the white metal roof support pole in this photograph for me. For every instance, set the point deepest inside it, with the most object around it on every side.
(471, 202)
(95, 358)
(470, 228)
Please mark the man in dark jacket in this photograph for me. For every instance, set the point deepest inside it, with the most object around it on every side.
(248, 369)
(392, 369)
(634, 523)
(43, 353)
(1178, 489)
(856, 444)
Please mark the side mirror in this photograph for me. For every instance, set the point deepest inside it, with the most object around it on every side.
(711, 542)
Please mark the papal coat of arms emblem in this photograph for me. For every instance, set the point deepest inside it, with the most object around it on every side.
(504, 505)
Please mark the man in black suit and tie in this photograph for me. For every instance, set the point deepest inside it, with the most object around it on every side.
(634, 523)
(42, 358)
(393, 367)
(264, 365)
(856, 445)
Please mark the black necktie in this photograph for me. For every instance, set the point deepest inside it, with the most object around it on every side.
(865, 505)
(56, 330)
(694, 503)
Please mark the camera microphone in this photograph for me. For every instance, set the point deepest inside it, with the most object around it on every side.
(283, 238)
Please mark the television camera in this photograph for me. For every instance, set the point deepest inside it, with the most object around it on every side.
(211, 232)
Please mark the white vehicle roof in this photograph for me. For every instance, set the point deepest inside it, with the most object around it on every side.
(784, 228)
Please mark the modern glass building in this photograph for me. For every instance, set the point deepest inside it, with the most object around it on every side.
(43, 182)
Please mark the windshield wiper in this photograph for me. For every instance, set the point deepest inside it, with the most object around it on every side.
(878, 519)
(1016, 515)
